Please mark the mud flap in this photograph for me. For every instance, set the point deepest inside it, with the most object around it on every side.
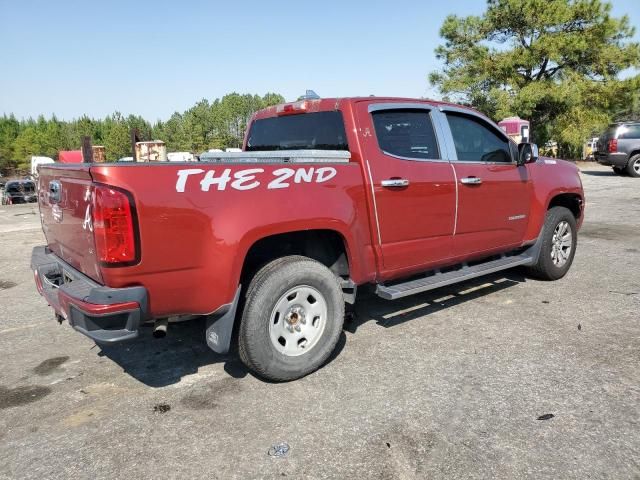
(534, 250)
(220, 328)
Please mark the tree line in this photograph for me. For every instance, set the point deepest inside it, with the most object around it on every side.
(557, 63)
(220, 123)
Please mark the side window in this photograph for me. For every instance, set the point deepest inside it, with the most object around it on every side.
(477, 141)
(630, 131)
(406, 133)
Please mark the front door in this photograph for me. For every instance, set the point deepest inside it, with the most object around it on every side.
(493, 191)
(413, 188)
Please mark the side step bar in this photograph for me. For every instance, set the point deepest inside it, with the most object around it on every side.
(399, 290)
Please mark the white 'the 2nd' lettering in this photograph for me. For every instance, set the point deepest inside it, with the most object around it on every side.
(182, 177)
(325, 173)
(210, 179)
(244, 176)
(281, 174)
(249, 178)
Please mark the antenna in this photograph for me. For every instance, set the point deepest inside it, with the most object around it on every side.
(309, 95)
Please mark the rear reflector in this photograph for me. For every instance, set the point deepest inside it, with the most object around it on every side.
(612, 146)
(36, 276)
(113, 226)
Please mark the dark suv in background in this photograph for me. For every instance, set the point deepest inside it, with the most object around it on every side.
(19, 191)
(619, 147)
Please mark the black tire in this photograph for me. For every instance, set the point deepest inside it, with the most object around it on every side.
(545, 268)
(633, 167)
(267, 288)
(619, 170)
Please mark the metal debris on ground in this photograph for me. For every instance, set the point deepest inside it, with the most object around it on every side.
(628, 294)
(279, 450)
(546, 416)
(161, 408)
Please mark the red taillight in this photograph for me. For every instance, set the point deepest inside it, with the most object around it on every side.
(612, 145)
(113, 226)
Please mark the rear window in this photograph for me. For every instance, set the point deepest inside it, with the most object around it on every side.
(20, 187)
(306, 131)
(609, 132)
(629, 131)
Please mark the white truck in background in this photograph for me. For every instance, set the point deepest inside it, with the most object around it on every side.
(35, 161)
(180, 157)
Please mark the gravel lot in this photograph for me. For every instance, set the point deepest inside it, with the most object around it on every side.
(447, 384)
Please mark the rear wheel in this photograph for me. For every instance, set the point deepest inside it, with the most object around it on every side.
(292, 319)
(619, 170)
(559, 240)
(633, 168)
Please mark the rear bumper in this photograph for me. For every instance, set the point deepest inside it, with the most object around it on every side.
(104, 314)
(612, 159)
(14, 200)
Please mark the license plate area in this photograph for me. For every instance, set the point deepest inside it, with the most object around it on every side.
(53, 278)
(66, 277)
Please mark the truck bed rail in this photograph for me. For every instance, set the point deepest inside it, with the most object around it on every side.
(278, 156)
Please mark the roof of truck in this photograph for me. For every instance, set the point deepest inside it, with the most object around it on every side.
(325, 104)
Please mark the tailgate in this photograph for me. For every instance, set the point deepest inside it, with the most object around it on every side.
(64, 197)
(602, 144)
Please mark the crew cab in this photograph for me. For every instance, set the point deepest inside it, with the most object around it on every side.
(270, 243)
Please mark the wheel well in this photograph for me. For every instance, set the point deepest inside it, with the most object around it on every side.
(325, 246)
(634, 153)
(568, 200)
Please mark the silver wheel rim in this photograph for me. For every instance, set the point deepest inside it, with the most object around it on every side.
(297, 321)
(636, 166)
(561, 243)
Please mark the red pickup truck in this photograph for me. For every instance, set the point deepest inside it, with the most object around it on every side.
(269, 243)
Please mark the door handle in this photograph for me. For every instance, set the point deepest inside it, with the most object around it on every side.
(395, 182)
(471, 180)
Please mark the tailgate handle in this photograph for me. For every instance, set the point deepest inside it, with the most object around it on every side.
(54, 191)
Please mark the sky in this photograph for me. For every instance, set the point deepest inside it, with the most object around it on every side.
(153, 58)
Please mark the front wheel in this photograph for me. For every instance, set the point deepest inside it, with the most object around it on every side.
(292, 318)
(633, 167)
(559, 241)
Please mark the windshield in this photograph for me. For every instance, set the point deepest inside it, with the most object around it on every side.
(308, 131)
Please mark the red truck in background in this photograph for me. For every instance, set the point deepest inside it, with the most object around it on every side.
(328, 194)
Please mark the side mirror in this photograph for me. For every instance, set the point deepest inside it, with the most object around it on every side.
(527, 153)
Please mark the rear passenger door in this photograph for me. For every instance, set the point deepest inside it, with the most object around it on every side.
(493, 191)
(413, 188)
